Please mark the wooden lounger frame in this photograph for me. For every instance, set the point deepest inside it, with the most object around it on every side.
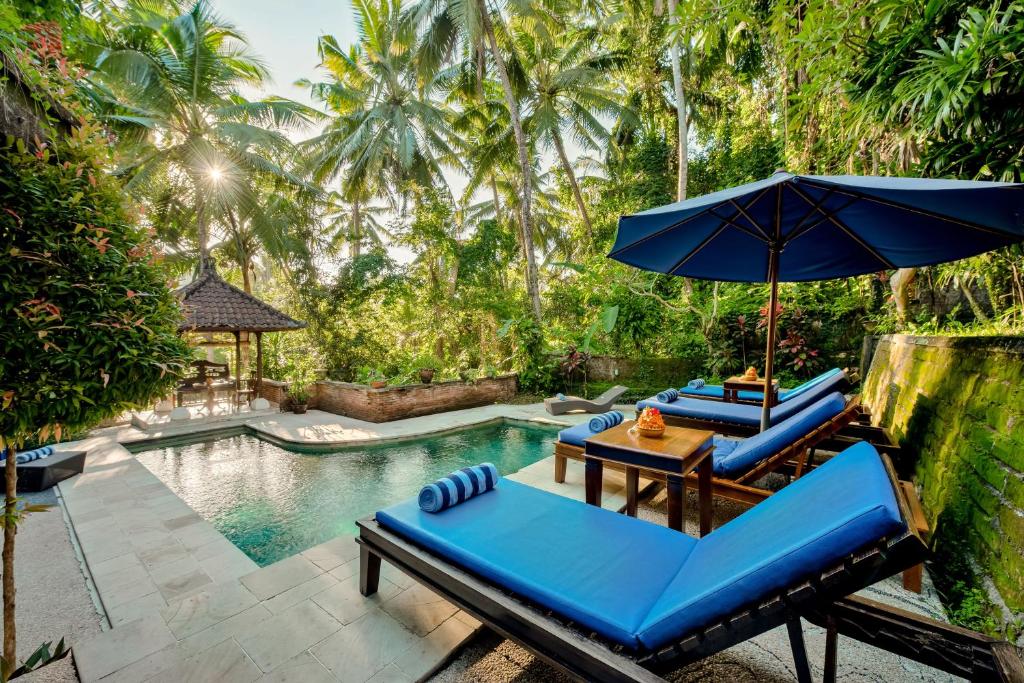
(796, 456)
(587, 656)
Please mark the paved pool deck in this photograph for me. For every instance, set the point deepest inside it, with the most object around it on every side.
(184, 604)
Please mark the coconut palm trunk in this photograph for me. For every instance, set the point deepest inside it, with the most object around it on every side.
(355, 244)
(532, 285)
(574, 184)
(681, 107)
(10, 529)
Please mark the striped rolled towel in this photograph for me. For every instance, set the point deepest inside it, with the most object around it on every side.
(696, 383)
(604, 421)
(29, 456)
(668, 395)
(458, 487)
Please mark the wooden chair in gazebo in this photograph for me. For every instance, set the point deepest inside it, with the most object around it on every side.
(211, 305)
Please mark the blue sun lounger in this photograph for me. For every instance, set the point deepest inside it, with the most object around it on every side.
(564, 579)
(715, 392)
(738, 463)
(739, 417)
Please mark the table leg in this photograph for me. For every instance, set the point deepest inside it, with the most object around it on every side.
(704, 497)
(676, 489)
(632, 490)
(594, 473)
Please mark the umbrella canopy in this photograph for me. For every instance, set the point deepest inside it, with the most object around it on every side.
(794, 228)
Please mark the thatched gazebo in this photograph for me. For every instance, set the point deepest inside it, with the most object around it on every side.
(212, 305)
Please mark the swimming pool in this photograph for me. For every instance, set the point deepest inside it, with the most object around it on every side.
(272, 502)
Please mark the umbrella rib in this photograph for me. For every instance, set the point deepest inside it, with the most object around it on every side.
(693, 252)
(913, 209)
(743, 212)
(677, 224)
(807, 228)
(815, 208)
(733, 224)
(850, 233)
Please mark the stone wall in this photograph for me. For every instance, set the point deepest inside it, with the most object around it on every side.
(274, 391)
(959, 403)
(410, 400)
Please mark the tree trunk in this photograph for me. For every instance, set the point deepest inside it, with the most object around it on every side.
(497, 198)
(202, 228)
(532, 278)
(979, 314)
(575, 187)
(900, 284)
(355, 245)
(10, 529)
(681, 107)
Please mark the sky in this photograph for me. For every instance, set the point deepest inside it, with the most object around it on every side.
(284, 35)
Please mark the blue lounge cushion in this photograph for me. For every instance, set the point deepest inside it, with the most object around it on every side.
(751, 451)
(597, 567)
(724, 445)
(810, 384)
(839, 508)
(643, 585)
(575, 435)
(716, 390)
(741, 414)
(458, 487)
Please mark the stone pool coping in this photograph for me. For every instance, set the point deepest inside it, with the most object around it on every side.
(186, 604)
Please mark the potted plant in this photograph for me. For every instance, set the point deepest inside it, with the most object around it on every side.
(299, 396)
(426, 367)
(374, 377)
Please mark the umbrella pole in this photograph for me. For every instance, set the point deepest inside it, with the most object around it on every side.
(769, 356)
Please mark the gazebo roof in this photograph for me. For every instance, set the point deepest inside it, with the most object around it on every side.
(212, 305)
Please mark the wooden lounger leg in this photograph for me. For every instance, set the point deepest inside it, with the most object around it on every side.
(831, 649)
(913, 577)
(560, 463)
(369, 571)
(796, 642)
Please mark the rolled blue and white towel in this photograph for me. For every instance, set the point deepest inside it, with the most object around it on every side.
(604, 421)
(458, 487)
(29, 456)
(561, 397)
(667, 396)
(696, 383)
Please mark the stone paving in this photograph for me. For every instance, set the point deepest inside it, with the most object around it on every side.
(187, 605)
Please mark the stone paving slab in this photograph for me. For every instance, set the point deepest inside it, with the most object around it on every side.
(186, 604)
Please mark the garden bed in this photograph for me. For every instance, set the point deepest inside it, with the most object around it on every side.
(409, 400)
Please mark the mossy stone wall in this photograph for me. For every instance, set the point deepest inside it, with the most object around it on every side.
(958, 402)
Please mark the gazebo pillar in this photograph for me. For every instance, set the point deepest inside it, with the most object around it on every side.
(238, 365)
(259, 364)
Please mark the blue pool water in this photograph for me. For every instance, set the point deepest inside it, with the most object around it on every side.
(272, 503)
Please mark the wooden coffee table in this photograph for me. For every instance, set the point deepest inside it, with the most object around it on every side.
(674, 455)
(732, 387)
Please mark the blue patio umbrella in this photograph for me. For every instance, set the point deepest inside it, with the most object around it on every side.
(793, 228)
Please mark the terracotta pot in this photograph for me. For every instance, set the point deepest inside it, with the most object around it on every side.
(379, 384)
(299, 408)
(426, 375)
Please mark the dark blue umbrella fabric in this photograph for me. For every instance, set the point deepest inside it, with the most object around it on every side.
(823, 227)
(793, 228)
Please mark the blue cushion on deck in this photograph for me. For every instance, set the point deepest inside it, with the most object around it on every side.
(738, 413)
(749, 452)
(574, 436)
(842, 506)
(716, 390)
(644, 585)
(812, 383)
(597, 567)
(725, 445)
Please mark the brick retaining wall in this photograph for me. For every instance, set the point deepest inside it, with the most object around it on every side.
(959, 403)
(410, 400)
(274, 391)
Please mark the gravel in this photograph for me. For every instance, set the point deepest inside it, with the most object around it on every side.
(52, 599)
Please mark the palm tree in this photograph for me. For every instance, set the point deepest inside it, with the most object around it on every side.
(168, 83)
(387, 126)
(567, 85)
(354, 223)
(461, 29)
